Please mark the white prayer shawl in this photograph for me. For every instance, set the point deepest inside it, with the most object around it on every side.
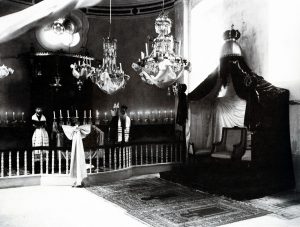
(78, 165)
(40, 136)
(126, 130)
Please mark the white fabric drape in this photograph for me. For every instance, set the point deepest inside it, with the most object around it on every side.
(78, 165)
(209, 115)
(15, 24)
(228, 111)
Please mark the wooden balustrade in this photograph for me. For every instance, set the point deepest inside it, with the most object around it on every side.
(111, 157)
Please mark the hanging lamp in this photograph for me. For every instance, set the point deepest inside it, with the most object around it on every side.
(109, 76)
(162, 66)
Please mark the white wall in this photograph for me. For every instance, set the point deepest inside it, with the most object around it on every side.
(211, 18)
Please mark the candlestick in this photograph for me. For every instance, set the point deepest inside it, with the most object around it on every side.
(60, 114)
(76, 113)
(68, 114)
(146, 45)
(53, 114)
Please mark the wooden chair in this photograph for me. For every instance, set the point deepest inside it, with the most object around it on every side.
(232, 145)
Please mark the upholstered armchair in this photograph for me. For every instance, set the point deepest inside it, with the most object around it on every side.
(232, 144)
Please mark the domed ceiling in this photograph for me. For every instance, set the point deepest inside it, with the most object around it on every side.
(120, 8)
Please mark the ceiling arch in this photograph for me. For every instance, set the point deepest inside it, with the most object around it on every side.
(120, 8)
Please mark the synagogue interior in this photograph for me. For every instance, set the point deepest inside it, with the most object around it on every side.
(149, 113)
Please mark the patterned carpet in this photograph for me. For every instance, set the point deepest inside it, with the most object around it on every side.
(161, 203)
(284, 205)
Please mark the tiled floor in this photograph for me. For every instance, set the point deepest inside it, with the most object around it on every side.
(62, 206)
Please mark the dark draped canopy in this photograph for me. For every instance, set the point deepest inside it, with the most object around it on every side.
(267, 114)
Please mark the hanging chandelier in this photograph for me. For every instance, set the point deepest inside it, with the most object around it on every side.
(109, 76)
(164, 65)
(5, 71)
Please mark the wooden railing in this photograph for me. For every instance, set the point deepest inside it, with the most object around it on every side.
(106, 158)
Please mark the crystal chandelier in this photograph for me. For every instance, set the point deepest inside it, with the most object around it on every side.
(83, 69)
(109, 77)
(5, 71)
(164, 65)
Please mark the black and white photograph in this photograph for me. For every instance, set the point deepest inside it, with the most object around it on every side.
(149, 113)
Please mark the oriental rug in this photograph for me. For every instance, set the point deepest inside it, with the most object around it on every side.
(158, 202)
(284, 205)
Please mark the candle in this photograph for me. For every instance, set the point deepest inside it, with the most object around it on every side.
(90, 113)
(105, 114)
(165, 113)
(97, 113)
(13, 115)
(68, 114)
(121, 67)
(142, 55)
(60, 114)
(76, 113)
(84, 114)
(6, 115)
(171, 113)
(146, 45)
(22, 116)
(53, 114)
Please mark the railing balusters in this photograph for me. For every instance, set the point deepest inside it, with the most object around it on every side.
(32, 164)
(167, 153)
(156, 153)
(124, 157)
(67, 162)
(9, 163)
(59, 162)
(136, 158)
(2, 164)
(90, 157)
(120, 157)
(25, 162)
(128, 156)
(97, 161)
(18, 164)
(109, 159)
(141, 151)
(146, 154)
(52, 162)
(115, 158)
(47, 161)
(104, 161)
(151, 151)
